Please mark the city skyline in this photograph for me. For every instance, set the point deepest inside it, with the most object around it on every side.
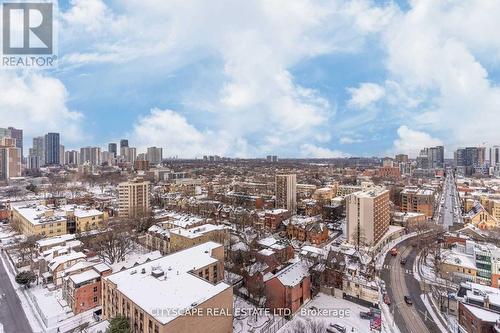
(351, 79)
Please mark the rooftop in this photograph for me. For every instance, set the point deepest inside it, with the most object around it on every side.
(176, 289)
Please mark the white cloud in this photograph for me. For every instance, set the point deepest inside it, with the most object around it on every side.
(313, 151)
(411, 141)
(172, 131)
(365, 95)
(440, 52)
(347, 140)
(37, 104)
(258, 41)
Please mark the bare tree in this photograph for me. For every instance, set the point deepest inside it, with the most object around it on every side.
(316, 326)
(114, 244)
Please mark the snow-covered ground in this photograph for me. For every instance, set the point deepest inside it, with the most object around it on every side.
(339, 311)
(248, 318)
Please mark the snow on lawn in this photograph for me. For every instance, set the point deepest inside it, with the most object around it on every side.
(51, 302)
(340, 311)
(247, 317)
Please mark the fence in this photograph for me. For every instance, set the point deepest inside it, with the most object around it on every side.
(273, 326)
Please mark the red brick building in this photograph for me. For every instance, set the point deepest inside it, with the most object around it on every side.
(389, 172)
(309, 229)
(82, 287)
(274, 217)
(476, 319)
(289, 288)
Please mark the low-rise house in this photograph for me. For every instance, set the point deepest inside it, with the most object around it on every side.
(310, 229)
(184, 238)
(58, 264)
(289, 288)
(82, 287)
(158, 238)
(274, 217)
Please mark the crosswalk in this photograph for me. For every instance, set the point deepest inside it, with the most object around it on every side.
(407, 271)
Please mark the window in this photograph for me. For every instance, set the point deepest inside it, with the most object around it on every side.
(95, 289)
(95, 299)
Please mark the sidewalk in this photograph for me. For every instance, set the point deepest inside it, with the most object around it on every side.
(32, 315)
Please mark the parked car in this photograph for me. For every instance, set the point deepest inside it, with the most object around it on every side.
(408, 300)
(387, 299)
(365, 315)
(339, 328)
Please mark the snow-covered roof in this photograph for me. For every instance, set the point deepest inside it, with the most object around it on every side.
(54, 263)
(84, 276)
(135, 259)
(176, 289)
(482, 314)
(197, 231)
(292, 275)
(268, 241)
(55, 240)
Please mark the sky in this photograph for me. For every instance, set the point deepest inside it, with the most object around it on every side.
(325, 78)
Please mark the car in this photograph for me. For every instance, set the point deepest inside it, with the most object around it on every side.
(408, 300)
(403, 261)
(339, 328)
(394, 251)
(365, 315)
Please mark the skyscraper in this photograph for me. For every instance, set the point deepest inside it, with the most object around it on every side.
(39, 148)
(113, 149)
(91, 155)
(10, 158)
(61, 155)
(286, 192)
(494, 156)
(52, 148)
(154, 155)
(72, 157)
(123, 143)
(15, 134)
(470, 160)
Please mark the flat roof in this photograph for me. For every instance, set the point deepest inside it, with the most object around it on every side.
(177, 289)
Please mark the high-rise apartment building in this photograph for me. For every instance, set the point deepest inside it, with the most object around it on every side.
(129, 154)
(10, 159)
(133, 198)
(52, 148)
(402, 158)
(494, 155)
(61, 155)
(154, 155)
(91, 155)
(112, 148)
(431, 158)
(15, 134)
(470, 159)
(34, 161)
(39, 148)
(72, 157)
(286, 192)
(367, 216)
(123, 143)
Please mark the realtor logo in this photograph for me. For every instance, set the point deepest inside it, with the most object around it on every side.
(28, 29)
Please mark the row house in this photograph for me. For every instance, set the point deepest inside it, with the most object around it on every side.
(82, 285)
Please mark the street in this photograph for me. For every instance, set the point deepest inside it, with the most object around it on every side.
(449, 207)
(399, 282)
(12, 315)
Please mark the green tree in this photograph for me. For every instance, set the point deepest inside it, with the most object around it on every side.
(25, 278)
(118, 324)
